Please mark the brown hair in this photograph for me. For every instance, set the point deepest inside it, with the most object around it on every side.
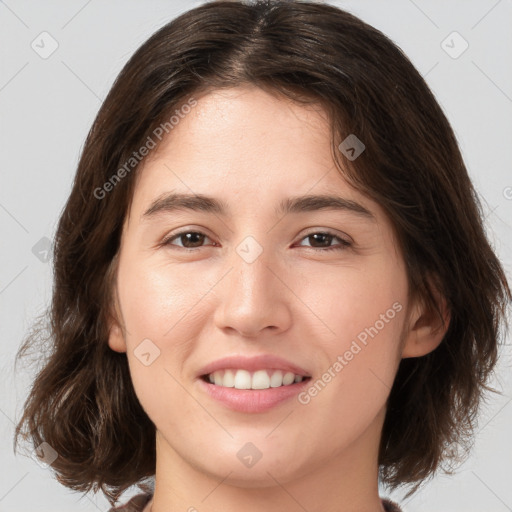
(83, 403)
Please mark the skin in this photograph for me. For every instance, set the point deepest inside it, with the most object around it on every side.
(252, 149)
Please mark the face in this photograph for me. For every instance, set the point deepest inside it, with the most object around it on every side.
(238, 289)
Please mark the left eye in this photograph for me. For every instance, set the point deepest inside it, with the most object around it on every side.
(323, 237)
(194, 239)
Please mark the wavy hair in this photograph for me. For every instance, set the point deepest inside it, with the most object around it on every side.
(82, 401)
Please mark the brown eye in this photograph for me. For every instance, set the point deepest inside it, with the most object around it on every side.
(321, 241)
(188, 239)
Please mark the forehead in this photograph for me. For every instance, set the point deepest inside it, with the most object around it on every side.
(244, 146)
(249, 129)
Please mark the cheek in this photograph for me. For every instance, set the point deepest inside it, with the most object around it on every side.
(159, 305)
(352, 300)
(161, 334)
(364, 310)
(158, 299)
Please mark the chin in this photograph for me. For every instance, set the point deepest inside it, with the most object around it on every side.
(272, 465)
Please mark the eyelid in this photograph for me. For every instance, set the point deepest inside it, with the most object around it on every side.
(343, 245)
(342, 236)
(345, 240)
(182, 231)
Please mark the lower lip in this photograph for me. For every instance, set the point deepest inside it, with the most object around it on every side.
(252, 400)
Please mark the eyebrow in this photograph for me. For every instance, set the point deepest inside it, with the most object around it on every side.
(169, 202)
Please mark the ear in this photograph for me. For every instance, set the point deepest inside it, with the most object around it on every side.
(426, 328)
(116, 338)
(116, 331)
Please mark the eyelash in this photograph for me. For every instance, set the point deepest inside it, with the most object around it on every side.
(343, 243)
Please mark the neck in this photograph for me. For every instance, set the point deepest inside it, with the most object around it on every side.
(345, 482)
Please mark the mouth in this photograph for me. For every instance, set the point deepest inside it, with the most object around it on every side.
(247, 392)
(253, 380)
(252, 384)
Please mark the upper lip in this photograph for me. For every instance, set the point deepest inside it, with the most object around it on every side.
(262, 362)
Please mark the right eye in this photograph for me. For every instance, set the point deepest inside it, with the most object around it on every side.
(190, 239)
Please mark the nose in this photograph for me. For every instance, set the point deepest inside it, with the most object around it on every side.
(254, 297)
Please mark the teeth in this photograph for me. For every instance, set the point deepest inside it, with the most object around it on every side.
(277, 379)
(229, 379)
(217, 378)
(288, 379)
(242, 379)
(261, 379)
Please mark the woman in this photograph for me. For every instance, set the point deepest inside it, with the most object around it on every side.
(272, 279)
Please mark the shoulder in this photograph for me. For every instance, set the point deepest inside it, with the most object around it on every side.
(391, 506)
(136, 504)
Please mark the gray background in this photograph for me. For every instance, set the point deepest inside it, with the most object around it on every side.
(47, 106)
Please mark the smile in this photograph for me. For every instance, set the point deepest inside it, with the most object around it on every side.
(260, 379)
